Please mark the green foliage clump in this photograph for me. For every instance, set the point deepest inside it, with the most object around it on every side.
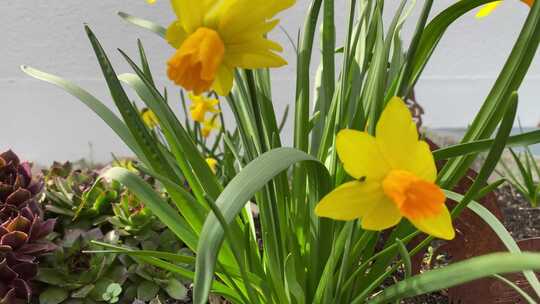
(91, 211)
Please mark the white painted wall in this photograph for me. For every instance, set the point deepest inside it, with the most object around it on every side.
(43, 123)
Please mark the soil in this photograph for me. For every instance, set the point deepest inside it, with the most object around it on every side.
(521, 220)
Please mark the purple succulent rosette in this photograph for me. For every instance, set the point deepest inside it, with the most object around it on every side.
(22, 229)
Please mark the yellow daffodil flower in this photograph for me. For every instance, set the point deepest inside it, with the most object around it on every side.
(488, 8)
(209, 125)
(149, 118)
(213, 37)
(395, 177)
(212, 163)
(201, 105)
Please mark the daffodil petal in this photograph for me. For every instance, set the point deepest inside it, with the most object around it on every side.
(382, 216)
(350, 201)
(439, 226)
(242, 15)
(360, 155)
(175, 34)
(398, 142)
(190, 13)
(254, 59)
(224, 81)
(255, 32)
(487, 9)
(422, 162)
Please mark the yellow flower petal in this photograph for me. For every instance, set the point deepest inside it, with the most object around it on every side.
(175, 34)
(360, 155)
(190, 13)
(240, 27)
(487, 9)
(209, 125)
(384, 215)
(200, 105)
(438, 226)
(239, 16)
(350, 201)
(149, 118)
(212, 163)
(255, 60)
(398, 142)
(224, 80)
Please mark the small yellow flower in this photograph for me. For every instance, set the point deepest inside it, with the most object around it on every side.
(395, 177)
(490, 7)
(209, 125)
(151, 1)
(201, 105)
(212, 163)
(213, 37)
(149, 118)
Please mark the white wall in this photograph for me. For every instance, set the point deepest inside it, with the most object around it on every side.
(43, 123)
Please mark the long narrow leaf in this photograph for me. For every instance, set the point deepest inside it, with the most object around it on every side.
(521, 140)
(459, 273)
(232, 200)
(91, 102)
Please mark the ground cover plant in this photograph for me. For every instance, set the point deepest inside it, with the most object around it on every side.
(23, 230)
(330, 219)
(89, 210)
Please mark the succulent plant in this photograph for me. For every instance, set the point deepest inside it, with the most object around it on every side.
(77, 276)
(22, 229)
(17, 187)
(92, 209)
(131, 217)
(78, 197)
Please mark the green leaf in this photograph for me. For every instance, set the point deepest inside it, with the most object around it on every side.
(146, 24)
(521, 140)
(459, 273)
(493, 156)
(131, 116)
(91, 102)
(53, 295)
(114, 289)
(82, 292)
(373, 94)
(176, 290)
(188, 157)
(175, 258)
(50, 276)
(232, 200)
(405, 257)
(302, 77)
(291, 282)
(147, 291)
(157, 205)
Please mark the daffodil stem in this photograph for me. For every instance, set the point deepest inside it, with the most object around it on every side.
(252, 88)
